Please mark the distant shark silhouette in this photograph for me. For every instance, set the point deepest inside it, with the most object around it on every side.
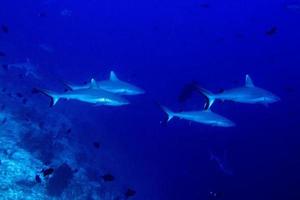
(91, 95)
(246, 94)
(28, 68)
(113, 85)
(203, 116)
(222, 163)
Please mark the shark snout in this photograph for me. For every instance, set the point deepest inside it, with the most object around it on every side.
(120, 102)
(226, 123)
(136, 91)
(272, 99)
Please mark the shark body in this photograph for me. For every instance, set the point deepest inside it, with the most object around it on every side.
(113, 85)
(89, 95)
(246, 94)
(203, 116)
(28, 68)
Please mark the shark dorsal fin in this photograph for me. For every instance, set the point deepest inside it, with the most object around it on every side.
(113, 76)
(93, 84)
(248, 81)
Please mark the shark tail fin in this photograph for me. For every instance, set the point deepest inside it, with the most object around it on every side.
(210, 98)
(170, 113)
(54, 97)
(113, 76)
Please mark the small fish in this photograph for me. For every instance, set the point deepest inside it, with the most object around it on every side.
(2, 54)
(96, 145)
(204, 5)
(2, 107)
(5, 67)
(129, 193)
(187, 91)
(20, 95)
(35, 91)
(42, 14)
(69, 131)
(272, 31)
(38, 179)
(4, 121)
(4, 28)
(47, 172)
(108, 177)
(24, 101)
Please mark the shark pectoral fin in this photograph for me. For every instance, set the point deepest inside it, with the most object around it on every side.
(113, 76)
(248, 81)
(54, 97)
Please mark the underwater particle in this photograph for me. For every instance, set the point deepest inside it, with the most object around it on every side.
(129, 193)
(47, 172)
(272, 31)
(60, 180)
(2, 54)
(66, 13)
(96, 145)
(38, 179)
(108, 178)
(215, 195)
(4, 28)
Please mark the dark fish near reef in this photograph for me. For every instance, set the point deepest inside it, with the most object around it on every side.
(47, 172)
(108, 177)
(129, 193)
(38, 179)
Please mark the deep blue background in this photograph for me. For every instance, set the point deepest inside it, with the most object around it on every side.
(160, 46)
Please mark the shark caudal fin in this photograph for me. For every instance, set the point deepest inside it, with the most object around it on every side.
(248, 81)
(170, 113)
(54, 97)
(210, 98)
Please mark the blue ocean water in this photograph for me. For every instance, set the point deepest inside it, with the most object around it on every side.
(129, 152)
